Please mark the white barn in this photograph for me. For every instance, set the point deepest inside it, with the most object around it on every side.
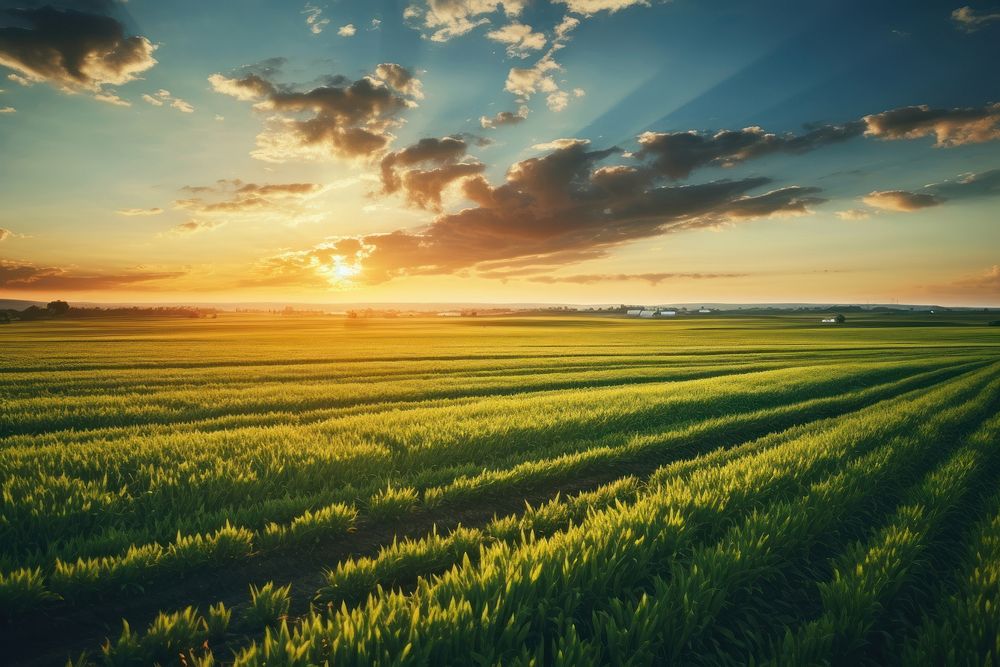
(647, 313)
(668, 313)
(633, 312)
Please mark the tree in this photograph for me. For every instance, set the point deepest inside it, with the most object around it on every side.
(58, 307)
(839, 319)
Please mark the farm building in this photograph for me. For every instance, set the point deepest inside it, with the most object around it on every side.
(633, 312)
(668, 313)
(829, 320)
(647, 313)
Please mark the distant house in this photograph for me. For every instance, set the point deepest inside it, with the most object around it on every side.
(647, 313)
(634, 312)
(829, 320)
(668, 313)
(704, 310)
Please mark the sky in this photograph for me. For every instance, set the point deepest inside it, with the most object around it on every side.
(557, 151)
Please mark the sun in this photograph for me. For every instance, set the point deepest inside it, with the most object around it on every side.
(345, 271)
(339, 271)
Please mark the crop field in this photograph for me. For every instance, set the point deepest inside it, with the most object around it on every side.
(577, 490)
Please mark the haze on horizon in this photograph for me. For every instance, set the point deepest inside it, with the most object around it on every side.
(562, 151)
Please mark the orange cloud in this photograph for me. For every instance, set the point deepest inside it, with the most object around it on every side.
(30, 277)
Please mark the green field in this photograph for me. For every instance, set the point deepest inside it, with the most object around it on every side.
(272, 490)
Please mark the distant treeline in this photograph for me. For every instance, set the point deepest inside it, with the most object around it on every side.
(59, 310)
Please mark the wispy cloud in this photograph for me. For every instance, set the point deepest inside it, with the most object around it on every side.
(968, 19)
(314, 19)
(132, 212)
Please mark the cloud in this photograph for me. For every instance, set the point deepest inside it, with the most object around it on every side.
(338, 119)
(8, 110)
(162, 96)
(651, 278)
(111, 97)
(539, 77)
(966, 18)
(74, 51)
(504, 118)
(247, 88)
(132, 212)
(444, 19)
(520, 39)
(951, 127)
(441, 162)
(181, 105)
(5, 234)
(588, 7)
(966, 186)
(194, 226)
(314, 19)
(987, 281)
(781, 203)
(347, 30)
(30, 277)
(558, 208)
(234, 197)
(853, 214)
(901, 200)
(526, 81)
(677, 154)
(557, 101)
(401, 79)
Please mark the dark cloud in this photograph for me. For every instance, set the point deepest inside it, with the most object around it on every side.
(441, 162)
(677, 154)
(339, 118)
(75, 51)
(558, 208)
(794, 200)
(503, 118)
(967, 186)
(951, 127)
(29, 277)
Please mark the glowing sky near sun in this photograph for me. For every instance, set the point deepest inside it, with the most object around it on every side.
(474, 150)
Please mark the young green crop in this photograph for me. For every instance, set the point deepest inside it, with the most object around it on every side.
(698, 490)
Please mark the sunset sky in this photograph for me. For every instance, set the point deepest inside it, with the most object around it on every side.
(583, 151)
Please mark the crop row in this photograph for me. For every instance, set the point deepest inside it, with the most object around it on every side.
(138, 560)
(107, 492)
(86, 576)
(645, 579)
